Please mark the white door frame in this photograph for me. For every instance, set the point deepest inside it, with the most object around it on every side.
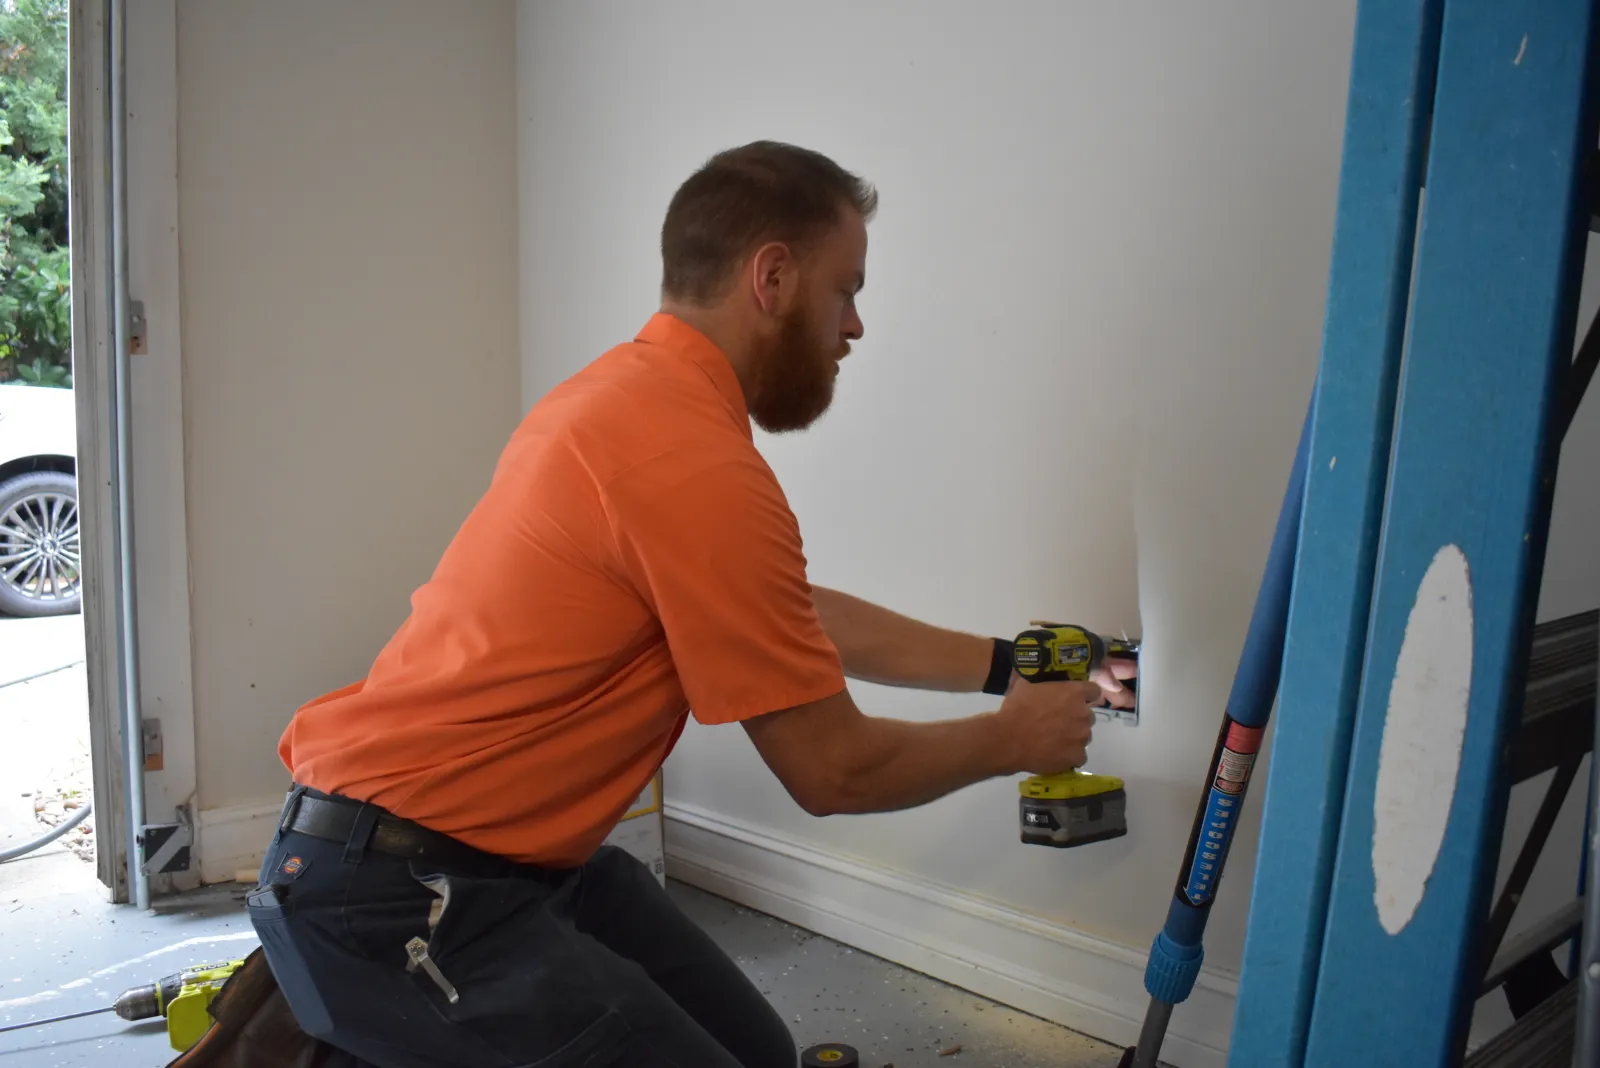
(160, 515)
(89, 164)
(156, 427)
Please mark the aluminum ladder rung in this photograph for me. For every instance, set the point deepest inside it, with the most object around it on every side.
(1541, 1039)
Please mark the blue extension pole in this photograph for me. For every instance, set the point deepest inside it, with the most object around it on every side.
(1177, 952)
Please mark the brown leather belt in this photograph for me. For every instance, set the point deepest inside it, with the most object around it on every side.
(334, 818)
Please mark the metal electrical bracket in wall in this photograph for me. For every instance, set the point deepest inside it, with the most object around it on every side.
(165, 847)
(136, 327)
(1128, 717)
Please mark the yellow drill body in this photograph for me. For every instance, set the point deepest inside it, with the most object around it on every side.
(183, 998)
(1072, 808)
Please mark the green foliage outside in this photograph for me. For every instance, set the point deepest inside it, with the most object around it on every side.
(35, 301)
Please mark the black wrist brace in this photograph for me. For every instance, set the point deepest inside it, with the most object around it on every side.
(999, 668)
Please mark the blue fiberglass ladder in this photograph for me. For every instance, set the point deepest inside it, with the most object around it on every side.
(1406, 664)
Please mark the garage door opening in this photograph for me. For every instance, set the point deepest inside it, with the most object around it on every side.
(46, 765)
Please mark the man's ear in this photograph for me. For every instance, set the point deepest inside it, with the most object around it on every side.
(774, 277)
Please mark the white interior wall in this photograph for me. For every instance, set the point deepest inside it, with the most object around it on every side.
(1572, 561)
(1093, 313)
(347, 211)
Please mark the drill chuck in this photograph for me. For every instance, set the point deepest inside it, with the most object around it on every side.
(140, 1003)
(149, 1001)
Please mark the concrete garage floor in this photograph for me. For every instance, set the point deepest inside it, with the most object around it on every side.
(828, 992)
(63, 950)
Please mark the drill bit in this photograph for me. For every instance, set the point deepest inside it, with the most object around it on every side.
(56, 1019)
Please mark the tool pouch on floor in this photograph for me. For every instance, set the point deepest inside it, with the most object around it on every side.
(253, 1028)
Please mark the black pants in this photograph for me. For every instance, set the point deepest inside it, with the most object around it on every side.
(594, 966)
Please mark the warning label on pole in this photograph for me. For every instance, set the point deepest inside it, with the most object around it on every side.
(1235, 760)
(1238, 756)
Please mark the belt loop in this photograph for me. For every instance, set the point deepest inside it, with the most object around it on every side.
(291, 807)
(355, 847)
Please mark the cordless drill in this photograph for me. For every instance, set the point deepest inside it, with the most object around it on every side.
(1072, 808)
(182, 997)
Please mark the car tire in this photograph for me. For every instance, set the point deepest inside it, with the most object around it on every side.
(41, 560)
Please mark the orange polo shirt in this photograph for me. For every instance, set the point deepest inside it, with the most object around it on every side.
(634, 558)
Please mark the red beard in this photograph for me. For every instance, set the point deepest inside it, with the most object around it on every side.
(792, 378)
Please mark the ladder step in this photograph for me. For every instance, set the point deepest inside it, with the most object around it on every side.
(1541, 1039)
(1558, 706)
(1544, 936)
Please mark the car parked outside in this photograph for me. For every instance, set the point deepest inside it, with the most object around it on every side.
(40, 555)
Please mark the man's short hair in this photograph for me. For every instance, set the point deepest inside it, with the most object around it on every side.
(743, 198)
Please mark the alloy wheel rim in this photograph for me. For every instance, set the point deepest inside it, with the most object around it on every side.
(40, 553)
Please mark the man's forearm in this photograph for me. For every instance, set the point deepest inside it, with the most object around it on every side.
(903, 765)
(881, 646)
(833, 759)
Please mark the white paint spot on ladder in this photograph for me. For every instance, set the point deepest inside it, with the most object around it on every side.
(1422, 736)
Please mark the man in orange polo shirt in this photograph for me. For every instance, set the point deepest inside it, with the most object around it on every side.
(437, 892)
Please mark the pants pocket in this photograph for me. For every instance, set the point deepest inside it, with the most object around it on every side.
(504, 963)
(462, 909)
(286, 954)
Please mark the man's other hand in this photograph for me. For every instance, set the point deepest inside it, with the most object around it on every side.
(1110, 677)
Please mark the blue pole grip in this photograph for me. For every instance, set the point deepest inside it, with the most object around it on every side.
(1173, 967)
(1178, 950)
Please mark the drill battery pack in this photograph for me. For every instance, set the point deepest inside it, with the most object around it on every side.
(1073, 809)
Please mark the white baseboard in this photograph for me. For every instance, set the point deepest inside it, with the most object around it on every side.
(234, 839)
(1090, 985)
